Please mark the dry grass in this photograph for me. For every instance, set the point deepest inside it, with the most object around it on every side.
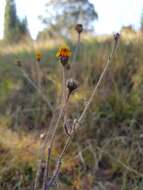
(108, 148)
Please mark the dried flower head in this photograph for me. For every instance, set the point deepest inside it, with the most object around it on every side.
(18, 62)
(71, 85)
(63, 54)
(116, 36)
(79, 28)
(38, 56)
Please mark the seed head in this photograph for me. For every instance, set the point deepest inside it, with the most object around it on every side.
(116, 37)
(71, 85)
(79, 28)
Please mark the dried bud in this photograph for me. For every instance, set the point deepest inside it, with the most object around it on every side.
(18, 62)
(71, 85)
(79, 28)
(116, 37)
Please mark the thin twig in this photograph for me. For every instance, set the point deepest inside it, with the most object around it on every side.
(58, 166)
(75, 54)
(56, 173)
(76, 49)
(38, 74)
(46, 172)
(41, 152)
(99, 82)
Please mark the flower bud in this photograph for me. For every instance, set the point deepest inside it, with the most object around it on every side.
(71, 85)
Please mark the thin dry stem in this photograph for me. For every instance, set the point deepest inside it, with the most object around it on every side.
(38, 74)
(99, 82)
(58, 166)
(75, 53)
(41, 152)
(46, 174)
(60, 115)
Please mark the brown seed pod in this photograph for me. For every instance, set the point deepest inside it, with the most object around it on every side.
(116, 36)
(72, 85)
(79, 28)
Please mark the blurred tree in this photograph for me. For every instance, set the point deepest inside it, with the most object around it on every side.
(22, 30)
(141, 23)
(14, 29)
(10, 20)
(65, 14)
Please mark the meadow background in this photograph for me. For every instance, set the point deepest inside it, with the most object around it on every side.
(106, 153)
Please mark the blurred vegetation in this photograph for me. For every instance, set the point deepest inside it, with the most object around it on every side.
(67, 13)
(108, 148)
(15, 29)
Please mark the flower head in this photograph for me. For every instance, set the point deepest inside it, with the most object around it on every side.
(38, 55)
(63, 54)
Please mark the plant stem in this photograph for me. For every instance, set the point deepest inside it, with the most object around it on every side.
(99, 82)
(75, 54)
(64, 103)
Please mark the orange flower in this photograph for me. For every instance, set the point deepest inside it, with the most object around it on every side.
(63, 54)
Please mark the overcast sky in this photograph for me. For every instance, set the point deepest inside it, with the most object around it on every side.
(113, 14)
